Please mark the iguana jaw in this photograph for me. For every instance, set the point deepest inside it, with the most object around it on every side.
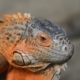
(22, 60)
(33, 65)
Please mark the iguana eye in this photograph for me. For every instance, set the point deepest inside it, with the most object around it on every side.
(43, 39)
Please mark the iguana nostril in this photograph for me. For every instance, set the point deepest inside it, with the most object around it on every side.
(17, 59)
(65, 48)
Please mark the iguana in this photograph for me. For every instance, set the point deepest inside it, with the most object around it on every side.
(31, 49)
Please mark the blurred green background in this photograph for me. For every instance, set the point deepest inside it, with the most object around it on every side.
(66, 13)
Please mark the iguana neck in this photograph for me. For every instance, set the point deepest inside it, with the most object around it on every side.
(24, 74)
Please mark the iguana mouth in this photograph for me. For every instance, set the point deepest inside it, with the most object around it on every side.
(22, 60)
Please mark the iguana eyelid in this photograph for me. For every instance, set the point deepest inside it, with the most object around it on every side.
(43, 39)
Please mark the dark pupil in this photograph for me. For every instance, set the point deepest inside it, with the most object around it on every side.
(42, 38)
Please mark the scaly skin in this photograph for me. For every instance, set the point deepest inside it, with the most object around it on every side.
(34, 49)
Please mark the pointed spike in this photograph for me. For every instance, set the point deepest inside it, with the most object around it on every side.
(27, 15)
(15, 16)
(66, 65)
(12, 18)
(7, 17)
(20, 16)
(64, 68)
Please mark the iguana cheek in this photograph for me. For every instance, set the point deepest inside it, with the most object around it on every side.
(17, 59)
(20, 60)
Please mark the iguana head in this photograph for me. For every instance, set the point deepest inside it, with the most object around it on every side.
(39, 43)
(43, 43)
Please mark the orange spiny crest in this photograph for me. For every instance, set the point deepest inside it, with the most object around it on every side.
(15, 17)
